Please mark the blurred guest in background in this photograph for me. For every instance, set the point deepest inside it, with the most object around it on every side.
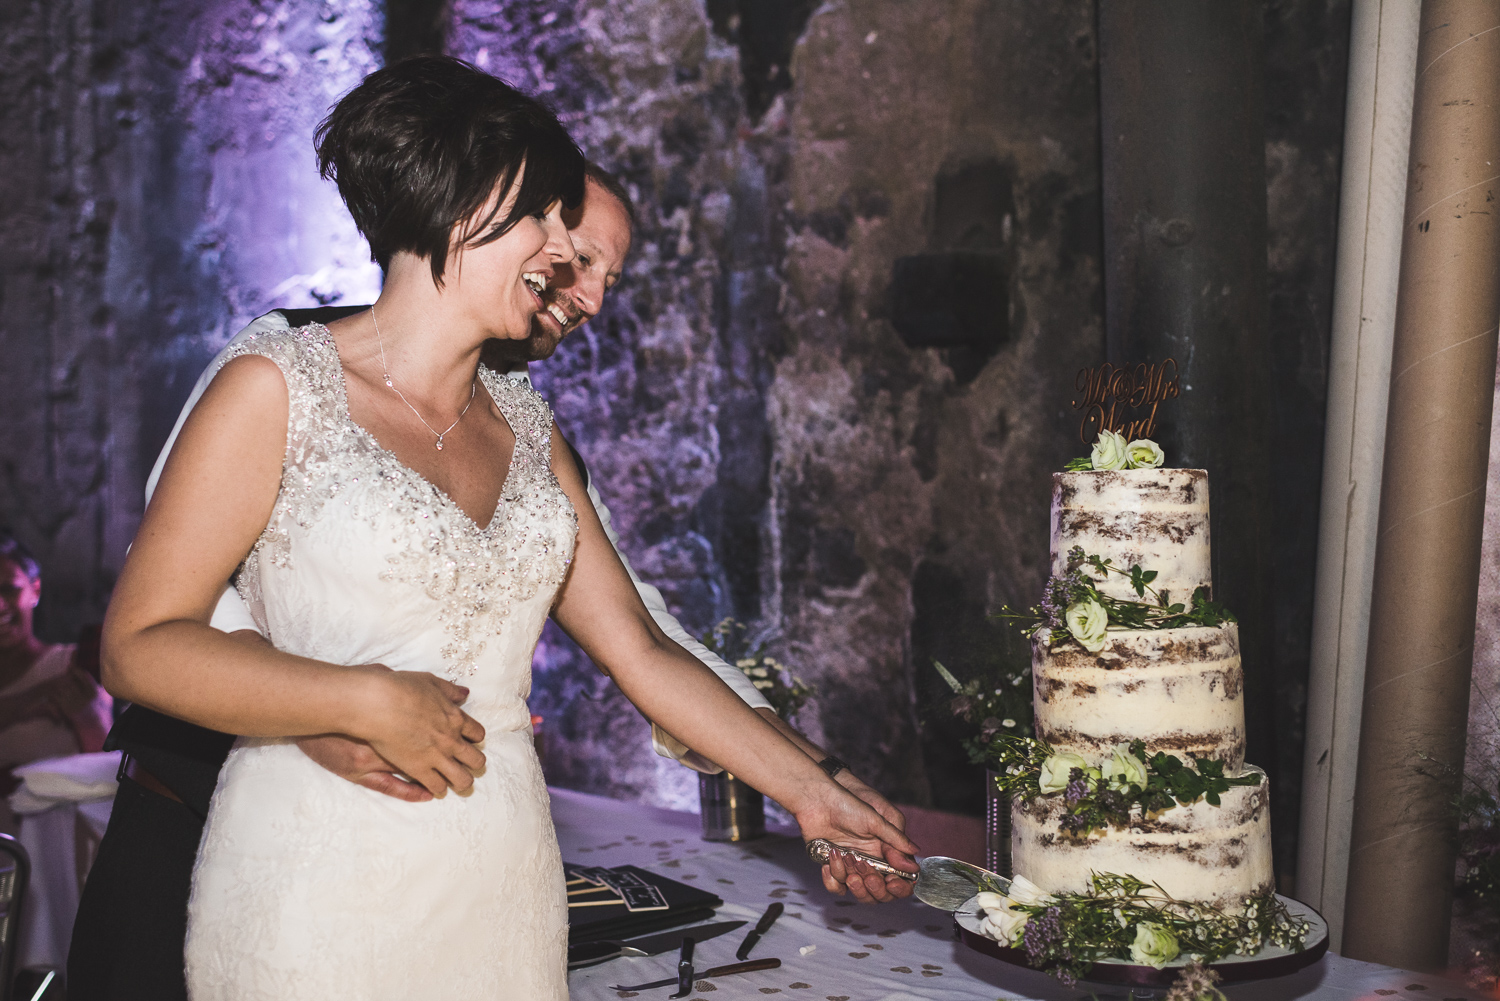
(49, 705)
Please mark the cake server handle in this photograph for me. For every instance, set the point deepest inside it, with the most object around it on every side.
(820, 850)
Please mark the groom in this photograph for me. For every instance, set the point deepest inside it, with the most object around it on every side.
(128, 937)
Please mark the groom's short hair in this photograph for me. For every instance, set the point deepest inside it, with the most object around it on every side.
(616, 189)
(420, 146)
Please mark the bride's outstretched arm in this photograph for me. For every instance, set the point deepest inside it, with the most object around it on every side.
(214, 499)
(601, 610)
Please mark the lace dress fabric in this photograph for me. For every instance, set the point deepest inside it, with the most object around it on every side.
(310, 887)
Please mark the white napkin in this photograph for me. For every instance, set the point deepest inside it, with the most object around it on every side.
(77, 778)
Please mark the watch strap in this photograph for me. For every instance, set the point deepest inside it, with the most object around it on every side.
(832, 766)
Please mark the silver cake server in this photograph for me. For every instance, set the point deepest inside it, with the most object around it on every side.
(945, 883)
(820, 850)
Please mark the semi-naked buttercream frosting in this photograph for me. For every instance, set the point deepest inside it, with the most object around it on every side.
(1216, 855)
(1180, 691)
(1157, 518)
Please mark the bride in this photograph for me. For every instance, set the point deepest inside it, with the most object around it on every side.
(401, 522)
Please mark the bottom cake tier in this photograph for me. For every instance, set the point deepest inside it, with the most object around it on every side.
(1216, 855)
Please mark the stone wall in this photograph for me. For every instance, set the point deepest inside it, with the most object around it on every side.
(827, 398)
(864, 486)
(160, 190)
(773, 448)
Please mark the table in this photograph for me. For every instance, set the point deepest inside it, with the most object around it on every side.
(64, 805)
(891, 952)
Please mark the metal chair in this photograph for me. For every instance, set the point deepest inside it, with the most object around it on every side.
(15, 873)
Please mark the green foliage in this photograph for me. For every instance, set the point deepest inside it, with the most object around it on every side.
(986, 686)
(1479, 843)
(1080, 465)
(1479, 815)
(1077, 586)
(995, 703)
(1095, 802)
(1477, 910)
(1074, 930)
(786, 692)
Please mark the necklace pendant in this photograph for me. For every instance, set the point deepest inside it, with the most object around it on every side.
(440, 443)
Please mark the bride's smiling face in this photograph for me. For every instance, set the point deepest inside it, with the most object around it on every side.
(499, 284)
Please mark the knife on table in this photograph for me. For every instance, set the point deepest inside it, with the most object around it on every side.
(589, 953)
(766, 921)
(717, 971)
(684, 970)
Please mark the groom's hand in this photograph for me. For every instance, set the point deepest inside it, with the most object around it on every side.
(357, 762)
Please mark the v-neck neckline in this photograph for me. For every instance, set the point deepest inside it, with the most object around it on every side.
(341, 397)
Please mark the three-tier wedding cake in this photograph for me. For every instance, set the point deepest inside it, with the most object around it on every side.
(1176, 690)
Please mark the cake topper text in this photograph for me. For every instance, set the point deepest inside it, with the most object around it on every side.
(1123, 398)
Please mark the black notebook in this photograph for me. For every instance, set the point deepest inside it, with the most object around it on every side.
(685, 905)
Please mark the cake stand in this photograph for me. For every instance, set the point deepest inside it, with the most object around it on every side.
(1272, 961)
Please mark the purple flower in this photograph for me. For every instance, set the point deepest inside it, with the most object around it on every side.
(1058, 595)
(1077, 787)
(1043, 934)
(1074, 823)
(1045, 940)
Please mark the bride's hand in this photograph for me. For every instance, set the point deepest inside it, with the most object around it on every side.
(843, 819)
(412, 719)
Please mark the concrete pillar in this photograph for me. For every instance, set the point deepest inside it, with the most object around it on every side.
(1180, 85)
(1372, 202)
(1411, 749)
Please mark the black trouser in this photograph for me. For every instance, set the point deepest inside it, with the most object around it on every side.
(132, 918)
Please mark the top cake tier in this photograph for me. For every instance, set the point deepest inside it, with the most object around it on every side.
(1157, 518)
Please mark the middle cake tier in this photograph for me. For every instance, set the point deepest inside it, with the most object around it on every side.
(1179, 690)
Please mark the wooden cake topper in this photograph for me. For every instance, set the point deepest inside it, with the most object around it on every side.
(1123, 399)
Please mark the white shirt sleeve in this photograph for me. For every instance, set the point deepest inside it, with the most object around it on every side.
(230, 614)
(663, 742)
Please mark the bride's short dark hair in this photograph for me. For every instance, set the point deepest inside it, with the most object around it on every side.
(420, 146)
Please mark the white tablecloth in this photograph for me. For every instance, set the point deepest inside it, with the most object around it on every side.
(891, 952)
(64, 805)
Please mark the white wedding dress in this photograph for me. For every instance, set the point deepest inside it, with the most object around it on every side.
(310, 887)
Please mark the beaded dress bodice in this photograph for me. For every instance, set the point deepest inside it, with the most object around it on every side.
(309, 886)
(351, 518)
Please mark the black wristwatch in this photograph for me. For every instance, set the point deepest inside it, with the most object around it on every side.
(832, 766)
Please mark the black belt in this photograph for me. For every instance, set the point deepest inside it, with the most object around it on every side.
(133, 770)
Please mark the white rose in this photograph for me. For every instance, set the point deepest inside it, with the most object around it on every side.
(1143, 453)
(1125, 767)
(1086, 621)
(1055, 772)
(1024, 891)
(1109, 451)
(1154, 945)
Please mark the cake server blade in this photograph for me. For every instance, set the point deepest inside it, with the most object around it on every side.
(945, 883)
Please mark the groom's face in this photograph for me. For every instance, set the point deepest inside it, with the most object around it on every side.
(600, 230)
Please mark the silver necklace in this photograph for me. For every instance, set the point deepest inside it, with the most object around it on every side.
(385, 371)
